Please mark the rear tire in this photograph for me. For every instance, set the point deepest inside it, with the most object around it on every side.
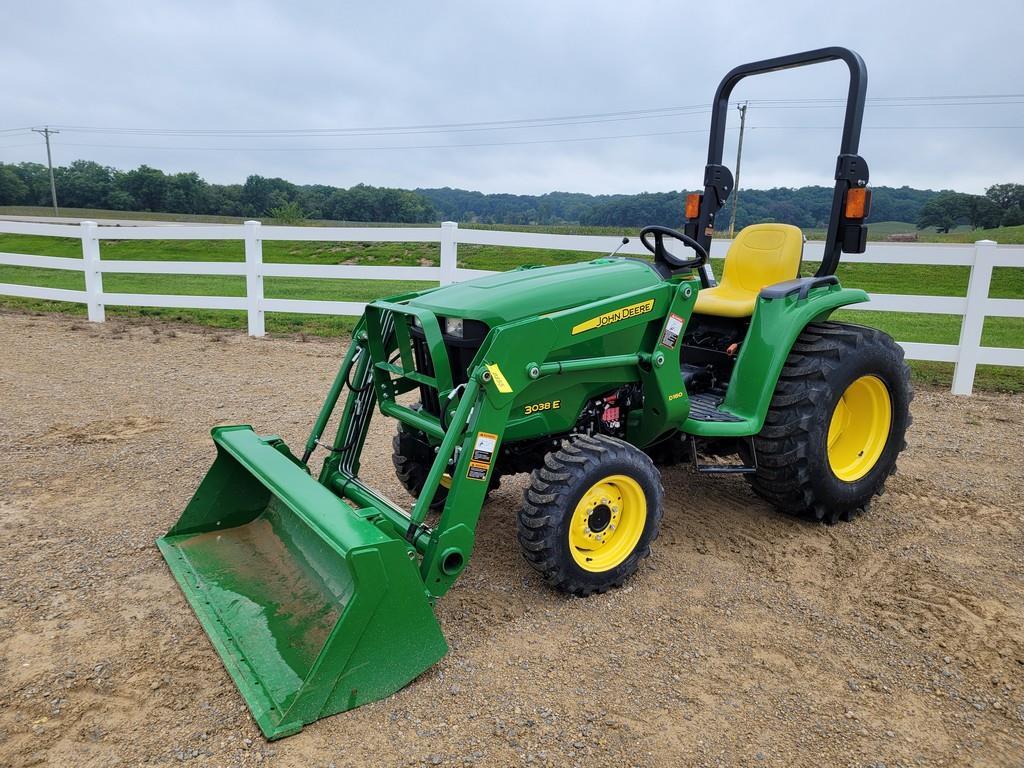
(836, 424)
(590, 514)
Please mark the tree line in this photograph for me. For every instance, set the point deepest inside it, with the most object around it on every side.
(86, 184)
(806, 207)
(1002, 205)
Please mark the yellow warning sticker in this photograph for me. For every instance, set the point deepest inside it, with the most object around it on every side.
(622, 313)
(483, 455)
(483, 448)
(499, 379)
(477, 471)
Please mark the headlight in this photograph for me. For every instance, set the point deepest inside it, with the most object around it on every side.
(453, 326)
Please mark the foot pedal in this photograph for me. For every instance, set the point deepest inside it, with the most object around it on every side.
(724, 469)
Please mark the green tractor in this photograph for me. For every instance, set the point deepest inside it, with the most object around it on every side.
(318, 592)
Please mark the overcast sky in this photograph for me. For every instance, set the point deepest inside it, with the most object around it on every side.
(293, 66)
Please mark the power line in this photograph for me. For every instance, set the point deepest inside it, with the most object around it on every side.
(426, 128)
(347, 133)
(540, 122)
(381, 148)
(402, 146)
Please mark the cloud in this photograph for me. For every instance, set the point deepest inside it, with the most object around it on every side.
(307, 65)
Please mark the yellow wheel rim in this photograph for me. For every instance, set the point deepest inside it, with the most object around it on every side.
(859, 428)
(607, 523)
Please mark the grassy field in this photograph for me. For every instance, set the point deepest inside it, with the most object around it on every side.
(1003, 235)
(923, 280)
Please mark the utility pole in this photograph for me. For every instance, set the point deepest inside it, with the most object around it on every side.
(49, 161)
(739, 155)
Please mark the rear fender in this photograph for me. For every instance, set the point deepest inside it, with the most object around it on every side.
(774, 327)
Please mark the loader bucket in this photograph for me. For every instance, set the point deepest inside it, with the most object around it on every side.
(313, 608)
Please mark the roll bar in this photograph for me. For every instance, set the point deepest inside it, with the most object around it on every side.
(851, 169)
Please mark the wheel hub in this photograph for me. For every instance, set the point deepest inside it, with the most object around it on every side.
(608, 521)
(599, 518)
(859, 428)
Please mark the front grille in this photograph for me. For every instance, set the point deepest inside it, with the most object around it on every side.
(461, 352)
(428, 395)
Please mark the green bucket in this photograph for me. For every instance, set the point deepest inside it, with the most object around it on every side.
(313, 608)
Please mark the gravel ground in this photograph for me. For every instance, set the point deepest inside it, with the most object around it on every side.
(748, 639)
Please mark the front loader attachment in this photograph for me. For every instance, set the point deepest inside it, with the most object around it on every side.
(313, 607)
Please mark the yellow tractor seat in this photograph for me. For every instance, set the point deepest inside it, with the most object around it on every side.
(761, 255)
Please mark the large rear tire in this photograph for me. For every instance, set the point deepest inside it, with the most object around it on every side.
(590, 514)
(836, 424)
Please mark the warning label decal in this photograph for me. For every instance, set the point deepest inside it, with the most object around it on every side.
(673, 327)
(483, 450)
(477, 471)
(483, 455)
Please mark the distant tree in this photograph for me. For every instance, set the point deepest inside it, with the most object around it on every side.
(1006, 195)
(288, 214)
(944, 211)
(148, 186)
(36, 180)
(1012, 217)
(121, 199)
(224, 200)
(365, 203)
(260, 194)
(84, 184)
(186, 193)
(13, 191)
(313, 199)
(981, 212)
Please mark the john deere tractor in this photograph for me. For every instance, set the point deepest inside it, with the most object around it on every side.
(317, 591)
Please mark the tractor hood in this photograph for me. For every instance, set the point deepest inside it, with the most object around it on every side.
(532, 291)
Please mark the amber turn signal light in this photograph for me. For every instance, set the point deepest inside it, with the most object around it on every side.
(693, 202)
(858, 203)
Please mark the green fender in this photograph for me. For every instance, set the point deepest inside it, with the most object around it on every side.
(774, 328)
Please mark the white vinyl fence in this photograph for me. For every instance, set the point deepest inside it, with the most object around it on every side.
(981, 257)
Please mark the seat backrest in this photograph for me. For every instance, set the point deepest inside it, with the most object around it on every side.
(763, 254)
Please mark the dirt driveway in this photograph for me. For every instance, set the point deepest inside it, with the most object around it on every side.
(749, 639)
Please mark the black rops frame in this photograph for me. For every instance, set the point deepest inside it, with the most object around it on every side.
(851, 169)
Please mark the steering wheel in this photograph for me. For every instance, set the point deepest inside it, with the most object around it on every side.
(661, 254)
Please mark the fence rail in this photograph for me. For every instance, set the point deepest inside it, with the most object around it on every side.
(967, 354)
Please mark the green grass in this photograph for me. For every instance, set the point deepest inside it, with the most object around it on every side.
(1002, 235)
(895, 279)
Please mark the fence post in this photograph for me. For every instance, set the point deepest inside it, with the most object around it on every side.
(974, 317)
(449, 252)
(254, 278)
(92, 271)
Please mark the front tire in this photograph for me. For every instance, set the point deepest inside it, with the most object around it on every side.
(836, 424)
(412, 457)
(590, 514)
